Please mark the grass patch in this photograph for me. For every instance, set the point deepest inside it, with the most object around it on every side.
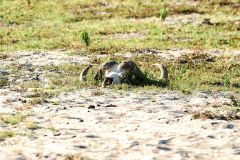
(32, 126)
(37, 100)
(58, 24)
(40, 96)
(3, 56)
(97, 93)
(47, 25)
(12, 119)
(226, 111)
(214, 115)
(6, 134)
(53, 129)
(31, 84)
(74, 157)
(3, 81)
(188, 73)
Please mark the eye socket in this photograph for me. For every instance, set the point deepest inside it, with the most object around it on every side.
(125, 65)
(109, 81)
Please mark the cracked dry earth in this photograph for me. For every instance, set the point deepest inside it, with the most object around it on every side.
(109, 124)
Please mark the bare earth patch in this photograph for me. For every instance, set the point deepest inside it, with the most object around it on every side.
(193, 18)
(113, 124)
(57, 58)
(41, 58)
(131, 35)
(176, 53)
(118, 125)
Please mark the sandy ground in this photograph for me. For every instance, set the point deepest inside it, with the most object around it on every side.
(110, 124)
(121, 125)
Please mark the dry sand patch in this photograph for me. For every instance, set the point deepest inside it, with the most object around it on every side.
(111, 124)
(142, 124)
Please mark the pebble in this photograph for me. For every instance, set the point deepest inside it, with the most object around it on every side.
(12, 99)
(57, 134)
(91, 107)
(4, 72)
(163, 148)
(80, 146)
(110, 105)
(210, 136)
(163, 142)
(133, 144)
(230, 126)
(21, 158)
(91, 136)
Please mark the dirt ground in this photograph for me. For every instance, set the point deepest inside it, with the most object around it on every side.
(104, 123)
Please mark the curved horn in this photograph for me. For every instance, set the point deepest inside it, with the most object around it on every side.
(164, 71)
(84, 72)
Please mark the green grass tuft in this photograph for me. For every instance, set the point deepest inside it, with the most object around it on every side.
(12, 119)
(85, 38)
(163, 13)
(6, 134)
(3, 81)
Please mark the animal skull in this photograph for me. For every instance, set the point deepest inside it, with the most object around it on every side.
(114, 76)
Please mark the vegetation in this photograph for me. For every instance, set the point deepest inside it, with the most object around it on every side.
(37, 25)
(163, 13)
(3, 81)
(75, 157)
(6, 134)
(54, 24)
(106, 27)
(85, 38)
(32, 125)
(12, 119)
(187, 73)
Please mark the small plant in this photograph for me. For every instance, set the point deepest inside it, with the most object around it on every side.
(5, 134)
(227, 82)
(52, 129)
(74, 157)
(85, 38)
(12, 119)
(235, 102)
(32, 126)
(97, 93)
(3, 81)
(181, 73)
(37, 100)
(3, 56)
(163, 13)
